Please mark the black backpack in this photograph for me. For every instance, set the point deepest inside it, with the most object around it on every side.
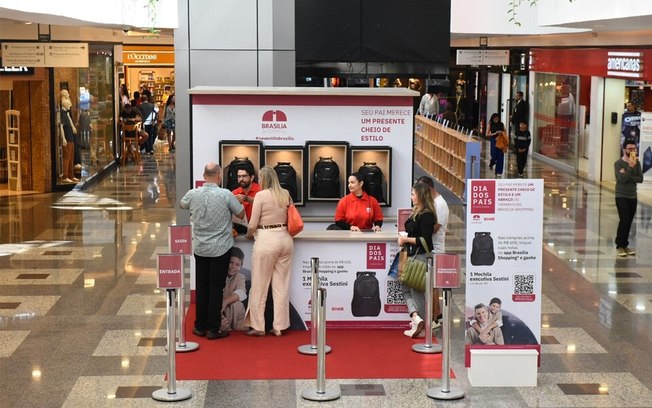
(482, 252)
(239, 163)
(373, 180)
(366, 295)
(326, 179)
(287, 178)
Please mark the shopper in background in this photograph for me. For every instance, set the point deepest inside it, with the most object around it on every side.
(169, 121)
(211, 209)
(420, 224)
(449, 116)
(519, 112)
(149, 111)
(124, 96)
(494, 127)
(628, 174)
(358, 210)
(271, 255)
(136, 101)
(522, 141)
(429, 106)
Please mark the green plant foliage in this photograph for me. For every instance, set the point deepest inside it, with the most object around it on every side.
(514, 5)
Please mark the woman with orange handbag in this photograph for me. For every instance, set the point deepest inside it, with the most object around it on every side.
(271, 255)
(496, 129)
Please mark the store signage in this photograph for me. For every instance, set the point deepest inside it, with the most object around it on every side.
(625, 64)
(170, 271)
(15, 70)
(147, 57)
(181, 239)
(482, 57)
(69, 55)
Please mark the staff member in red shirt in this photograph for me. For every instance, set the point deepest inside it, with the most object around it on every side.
(358, 210)
(247, 190)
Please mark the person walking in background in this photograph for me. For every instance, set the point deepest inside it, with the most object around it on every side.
(519, 112)
(169, 121)
(494, 128)
(522, 141)
(420, 224)
(211, 211)
(271, 255)
(429, 106)
(628, 174)
(358, 210)
(149, 110)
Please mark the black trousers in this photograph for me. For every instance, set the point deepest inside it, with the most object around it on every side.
(521, 160)
(626, 212)
(210, 276)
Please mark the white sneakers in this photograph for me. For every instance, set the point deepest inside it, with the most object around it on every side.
(416, 327)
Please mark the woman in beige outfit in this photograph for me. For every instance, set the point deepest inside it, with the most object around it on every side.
(271, 255)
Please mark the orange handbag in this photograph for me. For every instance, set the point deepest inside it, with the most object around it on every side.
(295, 223)
(502, 141)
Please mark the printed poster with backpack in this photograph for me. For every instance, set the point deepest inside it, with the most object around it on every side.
(504, 235)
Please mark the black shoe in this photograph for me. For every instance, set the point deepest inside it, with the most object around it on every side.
(220, 334)
(198, 333)
(491, 165)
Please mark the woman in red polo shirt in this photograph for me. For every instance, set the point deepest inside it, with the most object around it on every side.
(358, 210)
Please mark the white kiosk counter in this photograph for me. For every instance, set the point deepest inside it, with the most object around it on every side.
(345, 258)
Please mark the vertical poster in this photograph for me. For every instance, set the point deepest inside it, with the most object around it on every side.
(503, 262)
(645, 147)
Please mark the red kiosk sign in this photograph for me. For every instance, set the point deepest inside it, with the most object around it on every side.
(180, 239)
(170, 271)
(447, 271)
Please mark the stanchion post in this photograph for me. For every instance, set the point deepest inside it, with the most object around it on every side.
(311, 349)
(428, 347)
(446, 392)
(320, 393)
(183, 345)
(180, 242)
(171, 393)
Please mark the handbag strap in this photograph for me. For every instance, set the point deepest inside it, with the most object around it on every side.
(425, 244)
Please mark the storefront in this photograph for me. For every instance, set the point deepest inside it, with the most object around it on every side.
(148, 67)
(32, 152)
(578, 104)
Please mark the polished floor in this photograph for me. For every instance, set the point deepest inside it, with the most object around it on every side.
(82, 323)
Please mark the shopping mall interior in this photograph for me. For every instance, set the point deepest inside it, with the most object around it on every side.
(83, 320)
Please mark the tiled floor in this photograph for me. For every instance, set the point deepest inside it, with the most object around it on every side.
(82, 323)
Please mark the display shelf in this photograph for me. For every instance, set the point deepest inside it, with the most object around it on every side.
(12, 119)
(450, 156)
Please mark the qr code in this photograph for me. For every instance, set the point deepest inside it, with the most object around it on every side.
(394, 294)
(523, 284)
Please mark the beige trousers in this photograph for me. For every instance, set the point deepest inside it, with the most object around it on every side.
(271, 263)
(233, 317)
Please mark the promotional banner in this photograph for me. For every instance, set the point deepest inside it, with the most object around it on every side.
(645, 147)
(503, 262)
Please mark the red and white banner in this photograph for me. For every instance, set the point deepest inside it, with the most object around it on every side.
(170, 271)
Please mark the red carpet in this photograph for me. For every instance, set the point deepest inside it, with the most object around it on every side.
(356, 354)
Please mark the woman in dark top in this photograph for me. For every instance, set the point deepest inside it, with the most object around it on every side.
(420, 225)
(497, 155)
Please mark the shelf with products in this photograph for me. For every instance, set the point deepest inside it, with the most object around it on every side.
(12, 120)
(450, 156)
(163, 87)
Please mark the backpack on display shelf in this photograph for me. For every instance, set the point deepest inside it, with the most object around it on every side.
(326, 179)
(236, 164)
(287, 178)
(373, 178)
(366, 295)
